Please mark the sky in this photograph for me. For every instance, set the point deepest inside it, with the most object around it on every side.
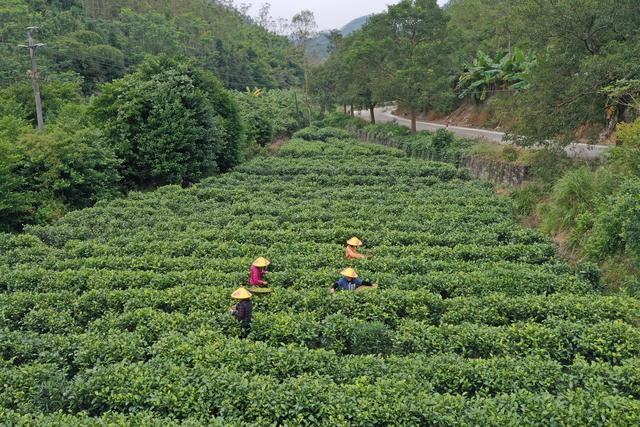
(329, 13)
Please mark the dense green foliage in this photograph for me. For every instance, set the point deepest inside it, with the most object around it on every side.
(268, 114)
(134, 96)
(440, 146)
(70, 167)
(486, 75)
(170, 122)
(593, 207)
(102, 40)
(581, 67)
(117, 313)
(398, 55)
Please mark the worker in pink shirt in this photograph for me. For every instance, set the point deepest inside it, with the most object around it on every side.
(258, 272)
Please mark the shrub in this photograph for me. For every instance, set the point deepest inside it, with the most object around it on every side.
(284, 109)
(48, 174)
(616, 227)
(257, 120)
(77, 168)
(15, 203)
(340, 120)
(527, 197)
(17, 99)
(371, 338)
(321, 134)
(575, 193)
(625, 159)
(169, 122)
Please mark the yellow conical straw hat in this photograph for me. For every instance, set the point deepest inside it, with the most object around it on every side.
(354, 241)
(241, 293)
(349, 272)
(261, 262)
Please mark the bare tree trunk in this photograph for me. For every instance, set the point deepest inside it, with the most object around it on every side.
(344, 108)
(372, 113)
(352, 112)
(414, 119)
(612, 122)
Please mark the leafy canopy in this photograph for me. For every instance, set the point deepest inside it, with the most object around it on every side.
(170, 122)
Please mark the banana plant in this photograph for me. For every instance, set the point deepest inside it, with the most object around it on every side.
(256, 92)
(486, 75)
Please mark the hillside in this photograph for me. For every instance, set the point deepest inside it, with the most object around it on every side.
(101, 40)
(118, 313)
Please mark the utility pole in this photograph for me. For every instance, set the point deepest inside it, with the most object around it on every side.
(33, 74)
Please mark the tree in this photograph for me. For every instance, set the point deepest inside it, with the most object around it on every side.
(86, 53)
(73, 167)
(44, 175)
(15, 203)
(413, 32)
(257, 119)
(583, 47)
(365, 63)
(304, 28)
(486, 75)
(170, 122)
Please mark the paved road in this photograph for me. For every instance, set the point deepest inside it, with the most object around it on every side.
(576, 150)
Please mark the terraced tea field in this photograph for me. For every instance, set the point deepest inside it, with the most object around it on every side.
(118, 314)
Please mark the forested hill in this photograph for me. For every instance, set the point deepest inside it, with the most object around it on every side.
(101, 40)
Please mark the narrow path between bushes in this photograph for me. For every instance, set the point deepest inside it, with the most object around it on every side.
(575, 150)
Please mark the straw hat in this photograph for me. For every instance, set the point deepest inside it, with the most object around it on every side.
(349, 272)
(241, 293)
(261, 262)
(354, 241)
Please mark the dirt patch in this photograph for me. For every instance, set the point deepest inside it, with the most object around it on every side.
(466, 115)
(433, 116)
(473, 116)
(588, 132)
(530, 221)
(275, 146)
(562, 239)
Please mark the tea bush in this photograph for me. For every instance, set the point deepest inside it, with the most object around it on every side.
(118, 314)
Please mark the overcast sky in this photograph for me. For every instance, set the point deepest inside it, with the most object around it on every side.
(329, 13)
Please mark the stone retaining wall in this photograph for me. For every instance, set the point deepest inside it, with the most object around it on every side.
(500, 172)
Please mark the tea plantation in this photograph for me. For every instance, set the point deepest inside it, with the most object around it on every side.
(117, 315)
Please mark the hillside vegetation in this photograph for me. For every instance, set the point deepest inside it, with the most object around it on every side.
(100, 40)
(117, 313)
(550, 67)
(319, 47)
(135, 95)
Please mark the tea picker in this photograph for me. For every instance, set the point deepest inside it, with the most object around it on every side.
(352, 249)
(350, 282)
(257, 276)
(243, 309)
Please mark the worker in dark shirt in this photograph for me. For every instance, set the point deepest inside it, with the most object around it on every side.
(243, 309)
(350, 282)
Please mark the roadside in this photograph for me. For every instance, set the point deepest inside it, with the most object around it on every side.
(576, 150)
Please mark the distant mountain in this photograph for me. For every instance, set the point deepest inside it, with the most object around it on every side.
(354, 25)
(318, 49)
